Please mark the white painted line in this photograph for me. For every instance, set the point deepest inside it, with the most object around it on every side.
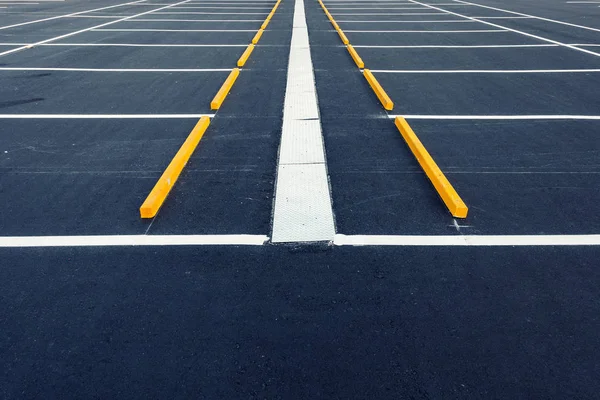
(96, 16)
(133, 240)
(194, 20)
(211, 13)
(500, 17)
(375, 8)
(485, 71)
(174, 30)
(128, 45)
(530, 16)
(510, 29)
(268, 7)
(103, 116)
(433, 46)
(497, 117)
(467, 240)
(302, 207)
(68, 15)
(89, 29)
(430, 31)
(445, 21)
(116, 69)
(365, 14)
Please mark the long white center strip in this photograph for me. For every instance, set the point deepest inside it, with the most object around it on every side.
(302, 210)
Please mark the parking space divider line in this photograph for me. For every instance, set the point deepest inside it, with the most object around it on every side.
(450, 197)
(242, 61)
(132, 240)
(383, 97)
(166, 182)
(215, 104)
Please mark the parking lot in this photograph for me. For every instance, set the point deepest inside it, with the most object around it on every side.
(302, 251)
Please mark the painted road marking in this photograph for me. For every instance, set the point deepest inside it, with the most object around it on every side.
(102, 116)
(429, 31)
(259, 240)
(498, 117)
(132, 240)
(484, 71)
(116, 69)
(458, 46)
(302, 210)
(467, 240)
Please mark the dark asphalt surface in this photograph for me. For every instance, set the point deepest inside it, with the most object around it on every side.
(298, 321)
(271, 322)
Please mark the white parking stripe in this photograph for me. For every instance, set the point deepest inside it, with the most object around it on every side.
(103, 116)
(133, 240)
(467, 240)
(497, 117)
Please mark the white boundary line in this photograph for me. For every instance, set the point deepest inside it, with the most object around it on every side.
(498, 117)
(509, 29)
(485, 71)
(365, 14)
(89, 29)
(193, 20)
(128, 45)
(133, 240)
(529, 16)
(429, 31)
(476, 46)
(467, 240)
(173, 30)
(115, 69)
(259, 240)
(444, 21)
(102, 116)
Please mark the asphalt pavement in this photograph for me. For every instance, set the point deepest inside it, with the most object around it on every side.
(96, 98)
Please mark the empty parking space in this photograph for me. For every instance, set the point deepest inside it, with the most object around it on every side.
(114, 103)
(448, 78)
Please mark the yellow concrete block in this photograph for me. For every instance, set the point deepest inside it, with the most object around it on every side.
(167, 180)
(256, 37)
(343, 36)
(359, 62)
(452, 200)
(265, 24)
(385, 100)
(224, 91)
(245, 55)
